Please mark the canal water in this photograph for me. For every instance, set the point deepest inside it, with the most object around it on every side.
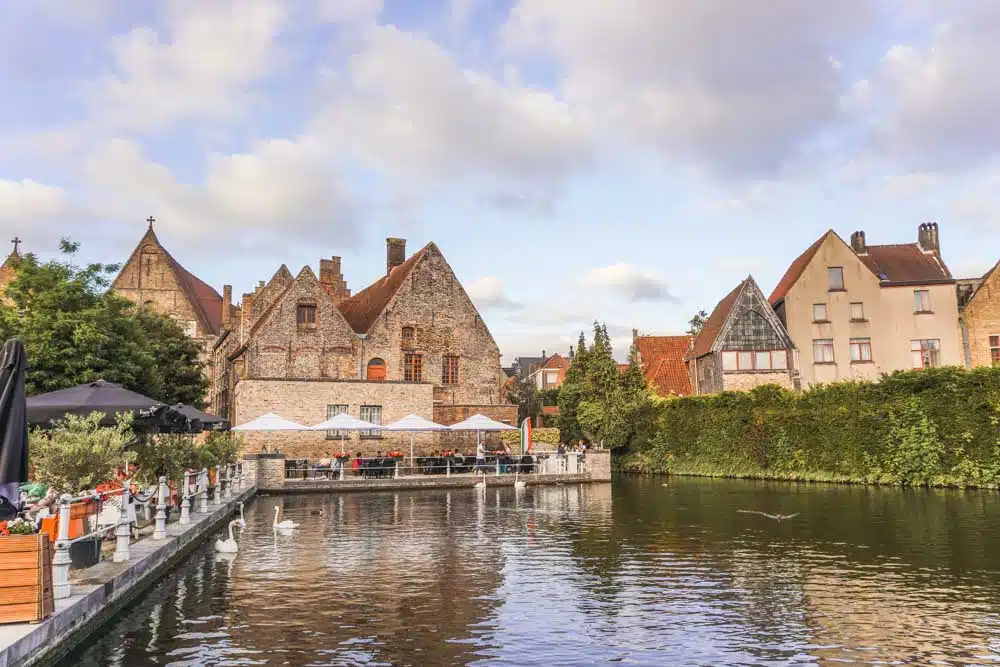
(639, 572)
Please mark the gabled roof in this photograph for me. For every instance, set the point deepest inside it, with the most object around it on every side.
(363, 309)
(206, 302)
(905, 263)
(663, 363)
(556, 361)
(796, 268)
(713, 325)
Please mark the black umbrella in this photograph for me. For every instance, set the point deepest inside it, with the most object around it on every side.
(108, 398)
(200, 420)
(13, 420)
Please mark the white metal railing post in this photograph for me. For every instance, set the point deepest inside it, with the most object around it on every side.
(123, 532)
(448, 467)
(395, 468)
(160, 530)
(61, 561)
(498, 466)
(186, 501)
(229, 481)
(203, 490)
(342, 466)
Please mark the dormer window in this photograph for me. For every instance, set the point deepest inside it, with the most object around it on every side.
(408, 338)
(305, 315)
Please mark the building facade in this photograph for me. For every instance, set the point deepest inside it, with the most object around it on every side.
(979, 318)
(857, 311)
(662, 359)
(742, 345)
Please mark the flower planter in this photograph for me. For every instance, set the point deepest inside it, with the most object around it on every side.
(26, 584)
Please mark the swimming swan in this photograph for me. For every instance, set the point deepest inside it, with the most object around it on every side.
(228, 546)
(242, 521)
(287, 524)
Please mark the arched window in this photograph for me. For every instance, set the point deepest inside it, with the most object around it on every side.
(376, 369)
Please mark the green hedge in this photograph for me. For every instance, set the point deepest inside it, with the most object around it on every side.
(933, 427)
(549, 436)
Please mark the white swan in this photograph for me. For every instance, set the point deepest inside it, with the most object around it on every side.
(481, 484)
(242, 521)
(519, 483)
(228, 546)
(287, 524)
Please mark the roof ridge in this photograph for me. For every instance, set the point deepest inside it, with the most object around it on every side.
(362, 310)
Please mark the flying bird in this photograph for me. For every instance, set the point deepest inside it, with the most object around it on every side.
(776, 517)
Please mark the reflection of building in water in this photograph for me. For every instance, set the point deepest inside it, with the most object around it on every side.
(894, 619)
(402, 565)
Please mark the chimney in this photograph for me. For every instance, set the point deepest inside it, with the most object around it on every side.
(858, 243)
(332, 279)
(395, 253)
(635, 334)
(571, 352)
(927, 237)
(227, 305)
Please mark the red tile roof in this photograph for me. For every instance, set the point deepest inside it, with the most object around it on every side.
(796, 268)
(663, 363)
(904, 263)
(363, 309)
(556, 361)
(713, 325)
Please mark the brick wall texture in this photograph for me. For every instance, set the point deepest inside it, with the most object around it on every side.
(982, 319)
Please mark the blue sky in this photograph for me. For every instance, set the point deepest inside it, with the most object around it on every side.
(629, 161)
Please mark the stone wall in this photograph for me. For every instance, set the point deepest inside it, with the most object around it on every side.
(599, 465)
(982, 320)
(445, 322)
(266, 472)
(306, 401)
(747, 381)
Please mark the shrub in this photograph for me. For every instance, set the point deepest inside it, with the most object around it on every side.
(78, 453)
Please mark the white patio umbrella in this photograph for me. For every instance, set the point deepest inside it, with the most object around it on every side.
(344, 422)
(480, 423)
(270, 422)
(414, 424)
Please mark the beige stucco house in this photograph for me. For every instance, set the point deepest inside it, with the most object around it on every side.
(857, 311)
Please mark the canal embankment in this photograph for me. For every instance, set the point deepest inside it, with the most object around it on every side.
(99, 592)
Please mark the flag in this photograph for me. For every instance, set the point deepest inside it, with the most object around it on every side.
(526, 436)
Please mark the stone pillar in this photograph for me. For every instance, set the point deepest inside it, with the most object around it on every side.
(265, 471)
(598, 463)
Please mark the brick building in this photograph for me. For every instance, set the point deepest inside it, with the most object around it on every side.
(979, 319)
(742, 345)
(304, 347)
(662, 361)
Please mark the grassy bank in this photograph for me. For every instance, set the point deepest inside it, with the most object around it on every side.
(925, 428)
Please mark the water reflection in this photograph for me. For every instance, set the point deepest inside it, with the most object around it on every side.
(639, 573)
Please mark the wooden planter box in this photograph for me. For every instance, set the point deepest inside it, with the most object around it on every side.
(26, 581)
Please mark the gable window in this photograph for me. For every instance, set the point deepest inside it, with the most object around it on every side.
(995, 350)
(331, 412)
(413, 367)
(857, 312)
(449, 369)
(926, 353)
(373, 415)
(376, 370)
(408, 338)
(823, 351)
(861, 350)
(835, 278)
(756, 360)
(819, 313)
(305, 315)
(921, 301)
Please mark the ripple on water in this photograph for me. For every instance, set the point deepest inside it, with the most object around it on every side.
(636, 574)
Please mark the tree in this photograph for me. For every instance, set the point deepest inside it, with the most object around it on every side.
(524, 394)
(78, 453)
(697, 323)
(76, 331)
(571, 393)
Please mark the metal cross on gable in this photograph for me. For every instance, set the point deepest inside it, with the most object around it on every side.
(150, 220)
(17, 242)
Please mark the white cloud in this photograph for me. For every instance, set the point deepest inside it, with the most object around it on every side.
(489, 293)
(29, 203)
(744, 264)
(634, 283)
(909, 185)
(200, 66)
(349, 11)
(738, 87)
(406, 107)
(280, 188)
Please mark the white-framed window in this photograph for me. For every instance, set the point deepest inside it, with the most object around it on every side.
(858, 312)
(823, 351)
(331, 412)
(372, 414)
(819, 313)
(926, 353)
(835, 278)
(551, 377)
(754, 360)
(995, 349)
(921, 301)
(861, 349)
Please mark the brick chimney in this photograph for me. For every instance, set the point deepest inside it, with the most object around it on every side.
(332, 279)
(395, 253)
(227, 306)
(571, 352)
(858, 243)
(927, 237)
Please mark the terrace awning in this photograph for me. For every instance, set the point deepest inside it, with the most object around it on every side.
(271, 422)
(414, 424)
(345, 422)
(108, 398)
(479, 422)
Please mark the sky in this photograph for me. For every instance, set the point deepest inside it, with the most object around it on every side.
(628, 161)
